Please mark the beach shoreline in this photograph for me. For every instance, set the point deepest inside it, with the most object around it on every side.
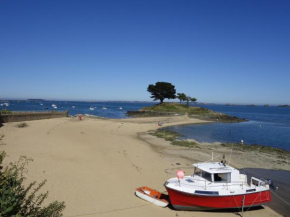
(94, 165)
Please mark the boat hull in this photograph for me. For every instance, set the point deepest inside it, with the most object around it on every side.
(186, 201)
(152, 196)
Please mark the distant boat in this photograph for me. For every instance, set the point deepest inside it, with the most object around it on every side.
(92, 108)
(104, 108)
(120, 108)
(1, 104)
(41, 104)
(73, 106)
(6, 104)
(53, 105)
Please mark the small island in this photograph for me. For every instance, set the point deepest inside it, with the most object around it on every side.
(165, 90)
(174, 109)
(283, 105)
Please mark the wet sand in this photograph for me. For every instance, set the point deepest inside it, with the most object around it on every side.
(280, 198)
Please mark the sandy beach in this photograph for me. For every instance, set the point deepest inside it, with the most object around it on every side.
(94, 165)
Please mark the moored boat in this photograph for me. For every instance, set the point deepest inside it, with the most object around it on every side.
(152, 196)
(215, 185)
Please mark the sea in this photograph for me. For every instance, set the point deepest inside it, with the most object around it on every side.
(269, 126)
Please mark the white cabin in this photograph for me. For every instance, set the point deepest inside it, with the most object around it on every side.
(216, 178)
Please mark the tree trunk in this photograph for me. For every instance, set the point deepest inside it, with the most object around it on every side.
(161, 101)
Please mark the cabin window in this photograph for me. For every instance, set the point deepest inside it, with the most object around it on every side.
(206, 176)
(222, 177)
(197, 172)
(202, 174)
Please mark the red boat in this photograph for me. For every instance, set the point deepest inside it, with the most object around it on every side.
(215, 185)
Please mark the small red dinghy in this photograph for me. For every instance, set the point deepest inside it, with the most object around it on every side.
(152, 196)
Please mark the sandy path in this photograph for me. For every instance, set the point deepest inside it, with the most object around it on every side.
(94, 165)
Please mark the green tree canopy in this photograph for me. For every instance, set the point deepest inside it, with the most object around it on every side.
(188, 98)
(161, 91)
(181, 97)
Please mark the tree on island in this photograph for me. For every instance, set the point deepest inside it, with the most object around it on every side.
(181, 97)
(188, 98)
(161, 91)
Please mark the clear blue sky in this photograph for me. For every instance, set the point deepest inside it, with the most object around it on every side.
(221, 51)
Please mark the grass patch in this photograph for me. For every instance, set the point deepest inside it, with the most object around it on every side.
(258, 148)
(22, 125)
(165, 134)
(172, 137)
(185, 143)
(5, 112)
(181, 109)
(176, 108)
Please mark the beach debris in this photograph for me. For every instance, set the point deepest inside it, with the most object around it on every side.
(22, 125)
(159, 123)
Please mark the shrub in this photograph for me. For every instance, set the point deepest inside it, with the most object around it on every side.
(19, 201)
(6, 111)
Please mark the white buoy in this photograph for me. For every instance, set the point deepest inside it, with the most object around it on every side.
(242, 142)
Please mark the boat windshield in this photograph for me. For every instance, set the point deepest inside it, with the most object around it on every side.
(202, 174)
(222, 177)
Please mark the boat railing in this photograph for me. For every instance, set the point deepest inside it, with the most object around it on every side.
(205, 184)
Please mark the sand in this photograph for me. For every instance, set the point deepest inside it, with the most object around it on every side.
(94, 165)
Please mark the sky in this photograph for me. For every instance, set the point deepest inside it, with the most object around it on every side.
(216, 51)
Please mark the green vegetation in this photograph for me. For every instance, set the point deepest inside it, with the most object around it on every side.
(165, 134)
(175, 108)
(189, 98)
(173, 138)
(184, 97)
(181, 97)
(5, 111)
(185, 143)
(167, 109)
(161, 91)
(255, 147)
(17, 200)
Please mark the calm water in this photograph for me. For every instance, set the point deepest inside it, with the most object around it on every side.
(266, 126)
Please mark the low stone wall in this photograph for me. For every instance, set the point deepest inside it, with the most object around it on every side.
(29, 116)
